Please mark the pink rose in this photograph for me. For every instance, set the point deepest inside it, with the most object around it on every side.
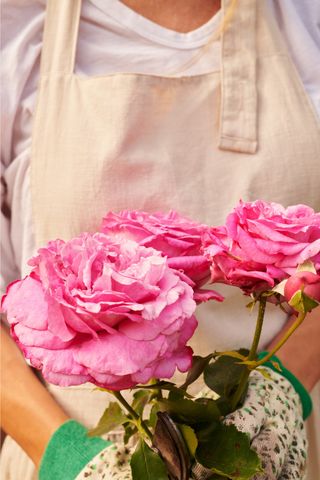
(111, 314)
(307, 282)
(262, 243)
(177, 237)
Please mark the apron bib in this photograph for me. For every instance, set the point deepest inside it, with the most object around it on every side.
(194, 144)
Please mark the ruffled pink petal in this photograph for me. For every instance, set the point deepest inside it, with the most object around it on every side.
(307, 253)
(38, 338)
(25, 302)
(109, 313)
(204, 295)
(180, 360)
(56, 321)
(117, 354)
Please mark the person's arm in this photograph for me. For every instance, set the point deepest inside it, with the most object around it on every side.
(28, 412)
(301, 353)
(58, 446)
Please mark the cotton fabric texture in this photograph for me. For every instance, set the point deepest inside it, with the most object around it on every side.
(155, 142)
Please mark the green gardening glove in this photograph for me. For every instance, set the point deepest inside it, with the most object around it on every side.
(68, 451)
(271, 415)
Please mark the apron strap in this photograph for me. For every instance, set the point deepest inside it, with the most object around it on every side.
(238, 112)
(60, 36)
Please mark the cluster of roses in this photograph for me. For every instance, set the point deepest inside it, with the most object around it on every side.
(116, 308)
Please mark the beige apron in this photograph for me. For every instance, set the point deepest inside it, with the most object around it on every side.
(194, 144)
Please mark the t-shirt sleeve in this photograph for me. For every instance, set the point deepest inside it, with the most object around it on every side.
(21, 44)
(299, 22)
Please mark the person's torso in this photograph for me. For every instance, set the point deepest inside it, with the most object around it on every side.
(191, 143)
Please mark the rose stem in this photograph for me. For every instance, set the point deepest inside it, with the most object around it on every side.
(132, 412)
(288, 334)
(252, 354)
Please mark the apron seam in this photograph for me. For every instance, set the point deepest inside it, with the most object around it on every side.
(234, 137)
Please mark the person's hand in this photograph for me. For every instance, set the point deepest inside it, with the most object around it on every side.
(272, 417)
(112, 463)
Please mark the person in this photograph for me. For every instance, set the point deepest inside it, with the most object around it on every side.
(144, 106)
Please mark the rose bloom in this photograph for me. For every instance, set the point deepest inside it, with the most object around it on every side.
(96, 311)
(262, 243)
(307, 282)
(176, 237)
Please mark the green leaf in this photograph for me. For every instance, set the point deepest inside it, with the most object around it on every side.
(223, 375)
(276, 366)
(204, 431)
(218, 477)
(227, 452)
(198, 365)
(296, 301)
(189, 437)
(302, 303)
(153, 418)
(112, 417)
(129, 430)
(251, 305)
(140, 400)
(224, 405)
(309, 303)
(264, 372)
(232, 354)
(267, 293)
(163, 385)
(307, 266)
(177, 394)
(146, 464)
(100, 389)
(191, 412)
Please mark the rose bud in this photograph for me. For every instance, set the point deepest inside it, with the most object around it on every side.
(307, 282)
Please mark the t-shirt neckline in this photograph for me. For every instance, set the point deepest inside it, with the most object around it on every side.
(157, 33)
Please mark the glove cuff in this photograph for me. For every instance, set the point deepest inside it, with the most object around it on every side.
(297, 385)
(68, 451)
